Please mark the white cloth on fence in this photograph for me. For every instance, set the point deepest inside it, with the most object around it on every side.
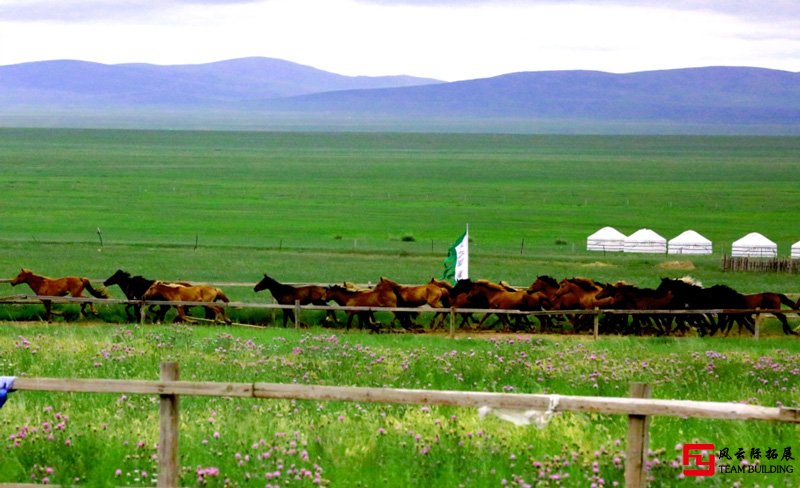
(523, 417)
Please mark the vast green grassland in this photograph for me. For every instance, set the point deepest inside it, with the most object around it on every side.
(326, 207)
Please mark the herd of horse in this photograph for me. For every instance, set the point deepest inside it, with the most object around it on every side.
(676, 306)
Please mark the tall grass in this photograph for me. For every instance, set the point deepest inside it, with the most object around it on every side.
(95, 439)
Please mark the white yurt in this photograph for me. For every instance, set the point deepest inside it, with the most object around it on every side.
(754, 245)
(606, 239)
(689, 242)
(796, 250)
(645, 241)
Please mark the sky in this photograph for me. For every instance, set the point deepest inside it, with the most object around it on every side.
(444, 39)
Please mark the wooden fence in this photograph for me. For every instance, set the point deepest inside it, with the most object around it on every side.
(452, 312)
(638, 407)
(774, 265)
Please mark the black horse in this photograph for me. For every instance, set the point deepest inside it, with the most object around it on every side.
(287, 295)
(689, 296)
(134, 287)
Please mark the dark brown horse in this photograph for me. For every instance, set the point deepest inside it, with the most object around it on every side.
(287, 295)
(59, 287)
(773, 302)
(630, 297)
(173, 292)
(377, 297)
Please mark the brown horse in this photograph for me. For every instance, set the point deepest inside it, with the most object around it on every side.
(490, 295)
(579, 294)
(287, 295)
(430, 294)
(502, 296)
(772, 301)
(548, 286)
(377, 297)
(59, 287)
(172, 292)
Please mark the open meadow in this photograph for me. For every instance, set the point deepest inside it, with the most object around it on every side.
(108, 440)
(226, 207)
(327, 207)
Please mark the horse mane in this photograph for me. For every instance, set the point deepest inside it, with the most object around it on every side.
(690, 281)
(585, 284)
(442, 283)
(350, 286)
(387, 282)
(167, 284)
(549, 280)
(507, 286)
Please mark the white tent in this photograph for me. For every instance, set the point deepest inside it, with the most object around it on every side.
(645, 241)
(796, 250)
(689, 242)
(605, 239)
(754, 245)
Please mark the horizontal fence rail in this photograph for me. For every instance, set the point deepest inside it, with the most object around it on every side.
(24, 299)
(637, 407)
(510, 401)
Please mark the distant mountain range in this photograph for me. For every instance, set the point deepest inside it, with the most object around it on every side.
(712, 99)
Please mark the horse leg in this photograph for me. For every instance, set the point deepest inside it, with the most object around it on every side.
(285, 317)
(161, 313)
(219, 315)
(785, 323)
(181, 317)
(48, 310)
(128, 313)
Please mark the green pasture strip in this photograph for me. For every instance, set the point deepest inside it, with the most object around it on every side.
(227, 264)
(370, 190)
(109, 440)
(332, 207)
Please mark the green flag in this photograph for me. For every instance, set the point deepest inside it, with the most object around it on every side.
(456, 264)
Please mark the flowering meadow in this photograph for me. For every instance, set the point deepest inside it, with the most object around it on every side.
(112, 440)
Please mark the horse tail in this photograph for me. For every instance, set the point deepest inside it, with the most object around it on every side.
(787, 301)
(221, 296)
(95, 292)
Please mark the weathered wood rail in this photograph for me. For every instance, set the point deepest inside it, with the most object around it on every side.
(638, 409)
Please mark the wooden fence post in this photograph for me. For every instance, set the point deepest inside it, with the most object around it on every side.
(297, 314)
(638, 441)
(142, 312)
(757, 325)
(168, 467)
(596, 323)
(452, 322)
